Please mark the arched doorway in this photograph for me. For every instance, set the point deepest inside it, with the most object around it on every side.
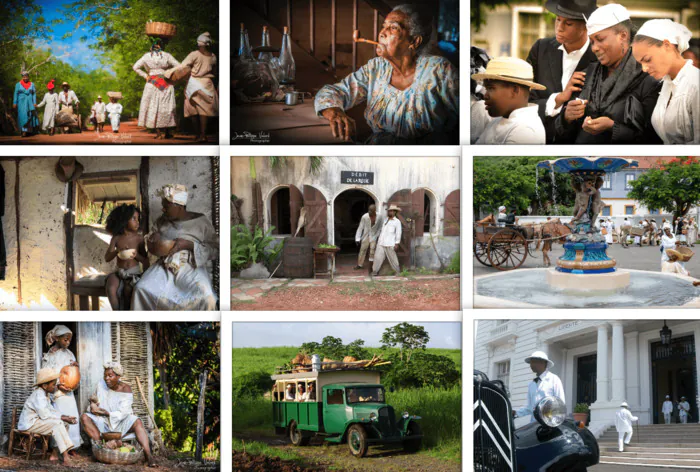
(348, 208)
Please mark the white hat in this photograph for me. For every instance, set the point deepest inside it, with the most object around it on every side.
(46, 375)
(509, 69)
(501, 208)
(605, 17)
(668, 396)
(674, 33)
(624, 404)
(394, 208)
(204, 39)
(540, 355)
(667, 225)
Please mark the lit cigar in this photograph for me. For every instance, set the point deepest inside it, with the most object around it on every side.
(357, 39)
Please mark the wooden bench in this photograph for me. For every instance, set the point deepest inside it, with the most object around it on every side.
(27, 443)
(87, 288)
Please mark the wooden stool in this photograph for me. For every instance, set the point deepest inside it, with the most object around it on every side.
(329, 253)
(27, 441)
(91, 287)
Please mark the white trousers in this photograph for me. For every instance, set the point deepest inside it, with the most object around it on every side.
(372, 246)
(667, 418)
(115, 119)
(623, 437)
(684, 418)
(59, 433)
(385, 252)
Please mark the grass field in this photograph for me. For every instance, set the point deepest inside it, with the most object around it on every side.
(440, 409)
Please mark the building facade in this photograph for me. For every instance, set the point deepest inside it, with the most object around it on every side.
(339, 191)
(600, 363)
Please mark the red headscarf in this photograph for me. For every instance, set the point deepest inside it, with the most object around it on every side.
(50, 85)
(26, 84)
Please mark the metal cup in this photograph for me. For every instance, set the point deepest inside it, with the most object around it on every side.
(292, 98)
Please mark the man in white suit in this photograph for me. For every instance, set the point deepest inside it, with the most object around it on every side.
(545, 384)
(623, 424)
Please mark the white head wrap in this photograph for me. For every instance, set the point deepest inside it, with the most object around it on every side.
(605, 17)
(666, 225)
(674, 33)
(55, 333)
(115, 366)
(501, 208)
(174, 193)
(204, 39)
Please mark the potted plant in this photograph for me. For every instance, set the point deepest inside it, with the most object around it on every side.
(581, 412)
(252, 247)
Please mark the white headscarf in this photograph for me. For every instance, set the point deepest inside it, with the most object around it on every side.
(115, 366)
(174, 193)
(674, 33)
(204, 39)
(55, 333)
(605, 17)
(501, 208)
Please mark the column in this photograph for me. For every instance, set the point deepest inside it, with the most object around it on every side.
(632, 371)
(491, 369)
(602, 365)
(618, 362)
(697, 369)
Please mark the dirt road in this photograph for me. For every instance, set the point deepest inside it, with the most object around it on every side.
(85, 463)
(129, 133)
(405, 295)
(323, 456)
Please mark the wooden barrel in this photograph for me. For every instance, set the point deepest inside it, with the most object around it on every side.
(298, 258)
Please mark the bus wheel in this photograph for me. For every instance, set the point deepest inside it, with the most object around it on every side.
(357, 440)
(296, 436)
(412, 444)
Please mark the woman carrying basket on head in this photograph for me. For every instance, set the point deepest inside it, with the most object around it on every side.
(157, 109)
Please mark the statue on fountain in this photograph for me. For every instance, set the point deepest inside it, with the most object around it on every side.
(587, 207)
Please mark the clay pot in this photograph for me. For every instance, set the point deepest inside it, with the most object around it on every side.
(70, 376)
(111, 436)
(159, 247)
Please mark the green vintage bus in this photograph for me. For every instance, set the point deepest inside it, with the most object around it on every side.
(347, 406)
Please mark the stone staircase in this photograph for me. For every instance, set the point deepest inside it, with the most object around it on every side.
(674, 446)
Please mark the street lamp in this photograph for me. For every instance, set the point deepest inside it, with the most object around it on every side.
(665, 335)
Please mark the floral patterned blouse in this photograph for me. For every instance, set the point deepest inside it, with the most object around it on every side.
(429, 105)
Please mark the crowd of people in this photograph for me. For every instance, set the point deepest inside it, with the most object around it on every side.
(52, 409)
(157, 109)
(598, 81)
(298, 393)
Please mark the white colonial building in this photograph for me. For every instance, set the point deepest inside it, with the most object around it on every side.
(601, 363)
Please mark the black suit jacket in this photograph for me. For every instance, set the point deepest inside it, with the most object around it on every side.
(547, 64)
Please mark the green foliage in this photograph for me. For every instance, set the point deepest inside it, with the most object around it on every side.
(257, 448)
(91, 215)
(510, 181)
(333, 348)
(582, 408)
(407, 338)
(424, 370)
(251, 384)
(194, 347)
(675, 187)
(249, 247)
(454, 266)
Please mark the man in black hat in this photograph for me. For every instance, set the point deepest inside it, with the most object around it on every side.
(559, 63)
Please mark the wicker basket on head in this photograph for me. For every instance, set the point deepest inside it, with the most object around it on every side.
(160, 30)
(687, 253)
(117, 95)
(113, 456)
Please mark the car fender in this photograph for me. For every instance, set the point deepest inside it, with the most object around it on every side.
(366, 423)
(404, 422)
(539, 448)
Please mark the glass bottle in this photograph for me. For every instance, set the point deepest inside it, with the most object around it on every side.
(265, 56)
(244, 51)
(286, 60)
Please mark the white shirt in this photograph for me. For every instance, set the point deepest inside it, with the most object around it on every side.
(523, 126)
(667, 407)
(288, 395)
(391, 233)
(99, 108)
(38, 406)
(568, 65)
(367, 230)
(623, 420)
(480, 118)
(114, 108)
(549, 386)
(676, 116)
(68, 99)
(667, 242)
(684, 408)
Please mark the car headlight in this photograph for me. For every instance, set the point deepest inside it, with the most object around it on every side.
(373, 416)
(550, 411)
(405, 414)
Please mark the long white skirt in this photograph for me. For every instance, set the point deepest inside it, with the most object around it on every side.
(67, 405)
(160, 289)
(157, 107)
(115, 120)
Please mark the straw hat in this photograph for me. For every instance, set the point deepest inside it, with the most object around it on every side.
(67, 168)
(509, 69)
(393, 207)
(673, 252)
(624, 404)
(65, 83)
(540, 355)
(46, 375)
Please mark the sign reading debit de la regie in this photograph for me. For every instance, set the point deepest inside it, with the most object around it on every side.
(352, 177)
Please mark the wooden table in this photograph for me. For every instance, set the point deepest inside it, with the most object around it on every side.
(277, 123)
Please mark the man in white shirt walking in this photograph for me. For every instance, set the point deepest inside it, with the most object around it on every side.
(683, 409)
(667, 409)
(545, 384)
(367, 235)
(388, 242)
(623, 424)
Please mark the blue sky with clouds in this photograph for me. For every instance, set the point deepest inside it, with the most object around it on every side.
(442, 335)
(70, 50)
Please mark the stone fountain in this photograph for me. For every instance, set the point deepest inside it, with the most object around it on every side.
(585, 276)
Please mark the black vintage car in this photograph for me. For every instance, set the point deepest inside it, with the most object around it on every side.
(553, 443)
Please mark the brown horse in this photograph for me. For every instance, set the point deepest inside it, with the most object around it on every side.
(553, 231)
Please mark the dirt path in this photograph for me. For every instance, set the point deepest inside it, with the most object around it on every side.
(129, 133)
(408, 295)
(86, 463)
(322, 456)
